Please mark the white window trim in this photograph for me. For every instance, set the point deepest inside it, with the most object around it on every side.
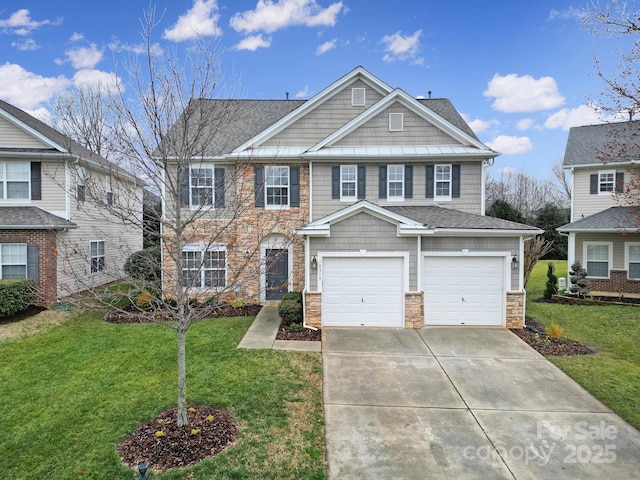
(202, 248)
(344, 198)
(401, 122)
(609, 259)
(355, 97)
(442, 198)
(26, 259)
(396, 198)
(191, 187)
(627, 247)
(266, 187)
(104, 257)
(607, 172)
(4, 180)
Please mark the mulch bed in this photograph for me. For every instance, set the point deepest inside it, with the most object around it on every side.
(285, 332)
(534, 335)
(29, 312)
(130, 314)
(210, 430)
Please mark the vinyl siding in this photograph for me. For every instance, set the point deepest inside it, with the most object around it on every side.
(470, 187)
(585, 203)
(476, 244)
(618, 245)
(54, 189)
(12, 136)
(325, 118)
(363, 231)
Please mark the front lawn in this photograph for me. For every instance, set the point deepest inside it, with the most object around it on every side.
(613, 374)
(71, 393)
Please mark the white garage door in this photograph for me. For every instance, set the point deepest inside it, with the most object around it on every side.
(362, 291)
(463, 290)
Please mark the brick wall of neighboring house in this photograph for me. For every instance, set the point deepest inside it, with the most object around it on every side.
(616, 283)
(414, 310)
(515, 309)
(47, 260)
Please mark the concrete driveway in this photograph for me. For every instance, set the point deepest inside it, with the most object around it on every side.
(444, 403)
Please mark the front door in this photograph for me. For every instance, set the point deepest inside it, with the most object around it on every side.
(276, 273)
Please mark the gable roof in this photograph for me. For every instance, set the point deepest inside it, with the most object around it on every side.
(595, 145)
(31, 218)
(612, 220)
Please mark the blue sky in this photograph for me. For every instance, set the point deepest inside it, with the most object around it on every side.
(521, 72)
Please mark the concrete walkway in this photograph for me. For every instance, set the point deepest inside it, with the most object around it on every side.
(264, 329)
(463, 403)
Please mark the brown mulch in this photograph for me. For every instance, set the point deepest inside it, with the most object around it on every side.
(178, 447)
(130, 314)
(534, 335)
(29, 312)
(285, 332)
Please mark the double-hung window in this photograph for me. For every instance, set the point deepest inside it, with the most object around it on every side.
(201, 187)
(109, 191)
(598, 259)
(348, 182)
(80, 185)
(276, 186)
(395, 182)
(204, 266)
(442, 182)
(606, 182)
(96, 255)
(13, 260)
(14, 180)
(633, 260)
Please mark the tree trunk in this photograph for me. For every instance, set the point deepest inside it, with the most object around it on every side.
(182, 379)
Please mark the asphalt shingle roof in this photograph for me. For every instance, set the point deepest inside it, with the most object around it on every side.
(611, 219)
(440, 217)
(31, 218)
(607, 142)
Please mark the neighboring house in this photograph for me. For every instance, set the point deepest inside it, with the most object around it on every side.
(377, 204)
(604, 230)
(55, 196)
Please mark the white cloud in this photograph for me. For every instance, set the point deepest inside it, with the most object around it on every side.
(511, 145)
(525, 124)
(21, 23)
(253, 43)
(200, 21)
(303, 93)
(76, 37)
(84, 57)
(326, 46)
(478, 125)
(27, 45)
(573, 117)
(137, 49)
(567, 14)
(401, 47)
(108, 82)
(26, 89)
(514, 93)
(270, 16)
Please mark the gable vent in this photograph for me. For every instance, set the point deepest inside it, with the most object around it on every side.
(357, 97)
(396, 122)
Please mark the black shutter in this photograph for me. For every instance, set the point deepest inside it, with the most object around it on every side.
(455, 181)
(218, 193)
(335, 181)
(294, 186)
(184, 187)
(258, 184)
(382, 187)
(362, 181)
(593, 184)
(36, 181)
(430, 180)
(408, 181)
(32, 262)
(620, 182)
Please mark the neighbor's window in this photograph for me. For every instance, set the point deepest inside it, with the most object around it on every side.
(633, 260)
(14, 180)
(598, 259)
(395, 182)
(13, 260)
(277, 186)
(109, 191)
(442, 182)
(80, 179)
(201, 187)
(96, 254)
(606, 182)
(204, 267)
(348, 182)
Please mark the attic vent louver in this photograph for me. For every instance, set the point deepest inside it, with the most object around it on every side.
(358, 97)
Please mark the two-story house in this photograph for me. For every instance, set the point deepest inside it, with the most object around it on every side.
(366, 199)
(604, 233)
(55, 200)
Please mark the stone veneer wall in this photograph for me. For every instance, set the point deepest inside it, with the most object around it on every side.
(47, 260)
(313, 309)
(515, 310)
(616, 283)
(414, 310)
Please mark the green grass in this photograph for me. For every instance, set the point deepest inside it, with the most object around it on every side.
(70, 394)
(613, 374)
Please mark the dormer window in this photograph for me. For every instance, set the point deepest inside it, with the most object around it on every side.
(358, 97)
(396, 122)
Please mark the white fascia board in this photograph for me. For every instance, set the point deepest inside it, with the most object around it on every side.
(272, 153)
(311, 104)
(31, 131)
(384, 152)
(484, 232)
(34, 154)
(607, 165)
(325, 231)
(620, 230)
(363, 206)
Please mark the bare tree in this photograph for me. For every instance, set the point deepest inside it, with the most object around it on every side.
(562, 176)
(534, 249)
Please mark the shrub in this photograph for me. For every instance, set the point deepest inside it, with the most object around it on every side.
(554, 331)
(144, 265)
(552, 282)
(579, 280)
(295, 296)
(290, 312)
(16, 294)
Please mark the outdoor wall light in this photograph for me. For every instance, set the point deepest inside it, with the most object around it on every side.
(514, 262)
(314, 263)
(247, 254)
